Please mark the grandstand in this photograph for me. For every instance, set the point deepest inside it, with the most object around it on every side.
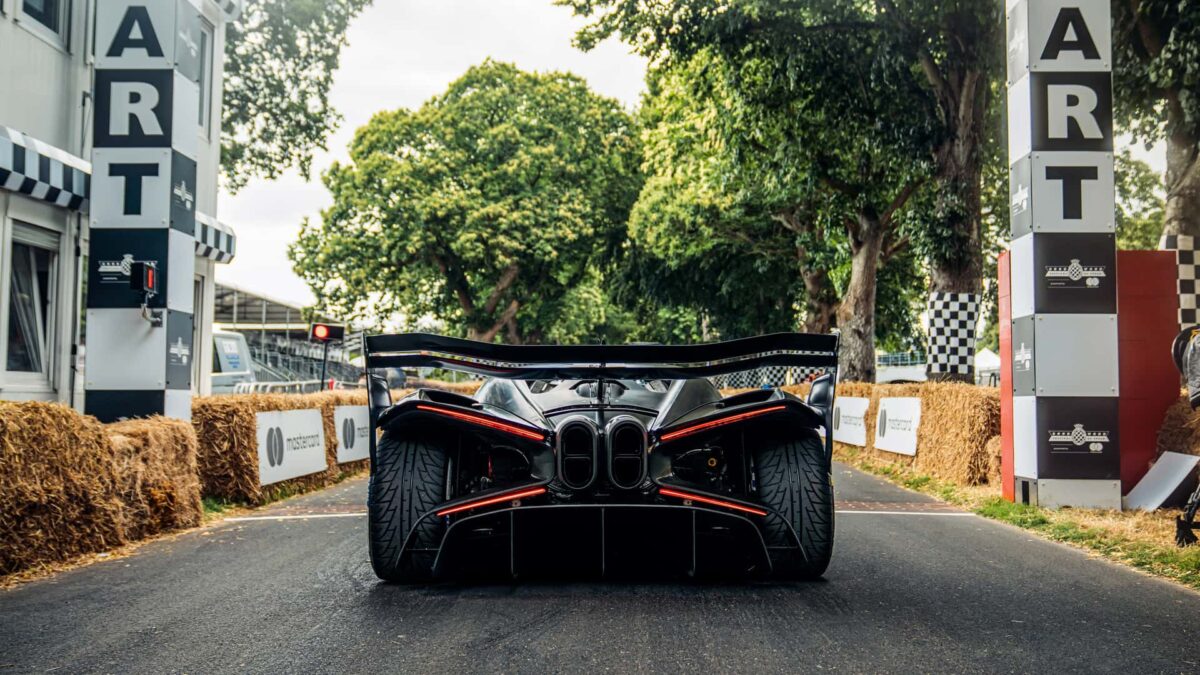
(277, 334)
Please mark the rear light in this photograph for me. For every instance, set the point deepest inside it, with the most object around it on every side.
(489, 501)
(486, 422)
(712, 424)
(669, 492)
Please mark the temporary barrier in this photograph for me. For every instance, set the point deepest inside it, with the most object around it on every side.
(353, 429)
(850, 420)
(896, 425)
(291, 443)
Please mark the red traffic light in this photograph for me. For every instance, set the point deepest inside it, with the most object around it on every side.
(326, 332)
(143, 277)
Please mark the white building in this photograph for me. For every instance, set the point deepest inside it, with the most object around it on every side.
(46, 120)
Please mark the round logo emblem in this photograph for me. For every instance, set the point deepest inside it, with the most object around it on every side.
(348, 433)
(882, 422)
(275, 446)
(837, 419)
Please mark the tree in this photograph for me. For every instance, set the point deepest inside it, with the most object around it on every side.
(1156, 77)
(953, 46)
(280, 56)
(490, 208)
(1139, 203)
(748, 161)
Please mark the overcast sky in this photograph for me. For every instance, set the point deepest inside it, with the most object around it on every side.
(401, 53)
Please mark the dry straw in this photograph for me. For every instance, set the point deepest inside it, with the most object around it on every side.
(157, 479)
(227, 430)
(70, 485)
(958, 422)
(1180, 430)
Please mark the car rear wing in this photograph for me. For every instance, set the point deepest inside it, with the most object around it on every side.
(636, 361)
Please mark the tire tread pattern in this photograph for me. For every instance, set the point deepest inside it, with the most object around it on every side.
(793, 479)
(408, 479)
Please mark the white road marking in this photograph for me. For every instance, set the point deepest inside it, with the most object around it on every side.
(301, 516)
(905, 513)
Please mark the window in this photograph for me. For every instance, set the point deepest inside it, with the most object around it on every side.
(53, 14)
(197, 329)
(32, 286)
(206, 65)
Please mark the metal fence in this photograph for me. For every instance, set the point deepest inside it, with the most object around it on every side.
(302, 387)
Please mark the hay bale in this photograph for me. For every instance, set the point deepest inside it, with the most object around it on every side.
(465, 388)
(155, 460)
(58, 493)
(227, 431)
(957, 421)
(227, 457)
(326, 401)
(1180, 430)
(959, 436)
(993, 451)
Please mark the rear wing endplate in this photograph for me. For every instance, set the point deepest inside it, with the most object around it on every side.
(638, 361)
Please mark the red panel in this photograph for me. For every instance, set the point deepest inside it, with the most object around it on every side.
(1006, 388)
(1146, 325)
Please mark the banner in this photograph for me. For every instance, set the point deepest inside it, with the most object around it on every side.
(896, 425)
(291, 443)
(850, 420)
(353, 424)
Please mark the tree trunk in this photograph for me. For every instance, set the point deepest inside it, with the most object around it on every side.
(956, 265)
(820, 301)
(1183, 186)
(856, 314)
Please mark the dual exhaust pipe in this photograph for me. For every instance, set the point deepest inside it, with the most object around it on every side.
(579, 445)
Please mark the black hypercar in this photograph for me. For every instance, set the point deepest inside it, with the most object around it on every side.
(600, 460)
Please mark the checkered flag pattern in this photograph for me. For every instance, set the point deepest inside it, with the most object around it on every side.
(952, 318)
(1185, 260)
(770, 376)
(214, 239)
(41, 171)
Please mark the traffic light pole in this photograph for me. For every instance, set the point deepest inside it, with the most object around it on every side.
(324, 360)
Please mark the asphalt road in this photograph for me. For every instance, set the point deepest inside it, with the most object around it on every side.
(913, 587)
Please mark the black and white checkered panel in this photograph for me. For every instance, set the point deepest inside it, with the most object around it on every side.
(1185, 259)
(42, 171)
(770, 376)
(952, 319)
(214, 239)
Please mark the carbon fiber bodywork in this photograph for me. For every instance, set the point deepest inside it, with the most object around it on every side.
(601, 460)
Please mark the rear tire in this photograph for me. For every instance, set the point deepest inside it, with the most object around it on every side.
(408, 479)
(793, 480)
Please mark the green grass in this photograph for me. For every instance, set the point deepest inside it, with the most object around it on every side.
(215, 506)
(1135, 539)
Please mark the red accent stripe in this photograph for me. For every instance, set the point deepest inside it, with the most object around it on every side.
(531, 492)
(486, 422)
(678, 433)
(709, 500)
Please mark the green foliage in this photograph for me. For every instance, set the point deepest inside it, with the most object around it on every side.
(492, 208)
(1139, 203)
(692, 243)
(1156, 74)
(280, 57)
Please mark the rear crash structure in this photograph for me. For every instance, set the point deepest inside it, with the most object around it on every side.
(600, 460)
